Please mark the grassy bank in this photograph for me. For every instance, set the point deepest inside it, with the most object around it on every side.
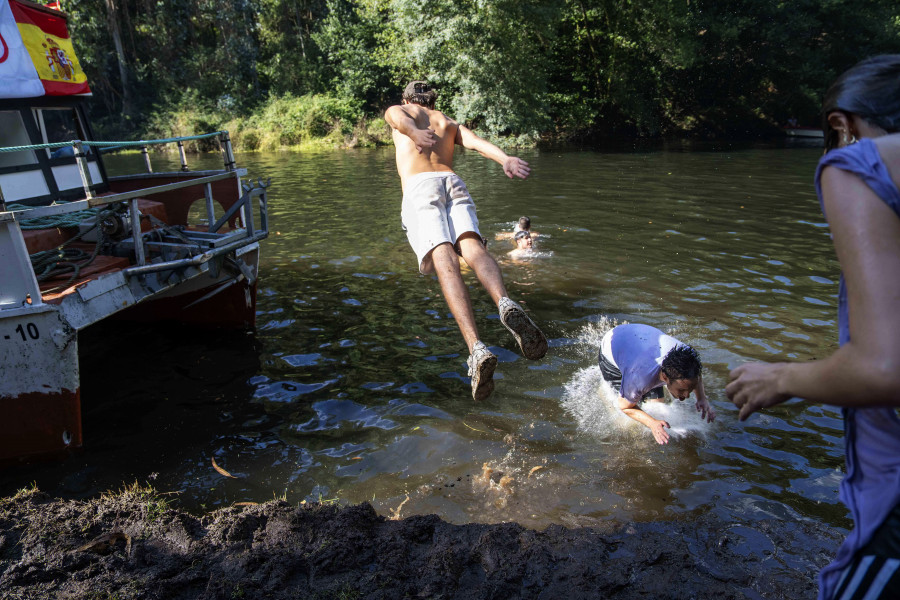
(312, 122)
(304, 123)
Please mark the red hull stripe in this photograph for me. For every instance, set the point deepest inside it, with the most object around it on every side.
(35, 426)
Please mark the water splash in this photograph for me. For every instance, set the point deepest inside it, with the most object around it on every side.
(593, 402)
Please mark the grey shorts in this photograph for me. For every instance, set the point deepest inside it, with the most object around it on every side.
(437, 209)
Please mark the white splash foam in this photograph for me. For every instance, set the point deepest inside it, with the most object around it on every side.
(593, 402)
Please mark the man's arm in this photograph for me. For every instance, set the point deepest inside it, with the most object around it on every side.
(512, 165)
(657, 427)
(401, 120)
(703, 406)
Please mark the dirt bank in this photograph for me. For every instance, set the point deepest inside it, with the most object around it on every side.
(133, 544)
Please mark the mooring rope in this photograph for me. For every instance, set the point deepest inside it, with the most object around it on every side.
(48, 264)
(102, 144)
(72, 219)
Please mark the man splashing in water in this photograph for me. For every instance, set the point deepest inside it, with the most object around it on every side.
(438, 216)
(637, 360)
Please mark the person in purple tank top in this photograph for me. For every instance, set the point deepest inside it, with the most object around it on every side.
(858, 183)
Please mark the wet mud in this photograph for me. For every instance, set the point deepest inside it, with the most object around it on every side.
(136, 544)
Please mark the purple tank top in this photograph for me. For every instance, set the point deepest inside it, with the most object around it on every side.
(871, 488)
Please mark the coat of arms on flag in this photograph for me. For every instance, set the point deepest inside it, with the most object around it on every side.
(36, 53)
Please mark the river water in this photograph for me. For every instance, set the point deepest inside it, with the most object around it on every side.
(353, 387)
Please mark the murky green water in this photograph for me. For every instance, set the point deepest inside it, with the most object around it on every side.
(354, 386)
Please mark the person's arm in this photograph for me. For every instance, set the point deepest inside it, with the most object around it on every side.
(866, 370)
(657, 427)
(512, 165)
(703, 406)
(401, 120)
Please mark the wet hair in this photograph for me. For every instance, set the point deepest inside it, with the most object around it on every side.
(871, 90)
(421, 93)
(524, 223)
(522, 233)
(682, 362)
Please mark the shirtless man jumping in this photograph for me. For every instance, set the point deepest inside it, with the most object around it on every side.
(438, 216)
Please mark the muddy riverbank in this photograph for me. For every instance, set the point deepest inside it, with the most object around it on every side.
(138, 544)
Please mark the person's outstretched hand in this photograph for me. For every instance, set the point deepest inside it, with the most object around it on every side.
(706, 410)
(659, 432)
(516, 167)
(423, 139)
(754, 386)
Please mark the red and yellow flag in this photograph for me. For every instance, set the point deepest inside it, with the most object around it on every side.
(36, 53)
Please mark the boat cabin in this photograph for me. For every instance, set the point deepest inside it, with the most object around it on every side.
(78, 246)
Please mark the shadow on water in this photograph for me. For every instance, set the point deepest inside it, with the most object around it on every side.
(151, 395)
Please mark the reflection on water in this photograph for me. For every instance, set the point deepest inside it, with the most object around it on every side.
(354, 385)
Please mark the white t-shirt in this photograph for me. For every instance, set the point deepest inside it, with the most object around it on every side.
(637, 351)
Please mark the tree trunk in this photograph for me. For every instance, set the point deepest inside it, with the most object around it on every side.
(112, 17)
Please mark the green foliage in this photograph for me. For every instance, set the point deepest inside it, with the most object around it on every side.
(291, 122)
(284, 72)
(289, 57)
(486, 56)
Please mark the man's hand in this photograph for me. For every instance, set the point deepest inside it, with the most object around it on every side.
(423, 139)
(754, 386)
(706, 411)
(659, 432)
(516, 167)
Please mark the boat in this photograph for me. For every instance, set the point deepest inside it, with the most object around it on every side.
(804, 132)
(78, 246)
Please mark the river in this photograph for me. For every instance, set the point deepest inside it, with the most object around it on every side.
(353, 387)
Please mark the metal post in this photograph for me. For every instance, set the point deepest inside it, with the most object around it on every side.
(210, 208)
(184, 166)
(226, 151)
(83, 169)
(146, 158)
(135, 215)
(247, 214)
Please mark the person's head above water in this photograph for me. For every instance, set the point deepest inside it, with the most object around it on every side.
(863, 102)
(524, 224)
(681, 371)
(421, 93)
(523, 240)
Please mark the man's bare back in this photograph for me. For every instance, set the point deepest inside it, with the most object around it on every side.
(436, 127)
(425, 140)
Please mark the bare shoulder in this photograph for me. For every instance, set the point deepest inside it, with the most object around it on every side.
(438, 117)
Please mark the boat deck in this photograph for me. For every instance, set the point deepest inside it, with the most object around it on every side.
(39, 240)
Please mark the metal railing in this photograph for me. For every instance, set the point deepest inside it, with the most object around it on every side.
(242, 208)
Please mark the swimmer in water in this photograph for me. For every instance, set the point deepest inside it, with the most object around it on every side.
(524, 245)
(637, 360)
(523, 224)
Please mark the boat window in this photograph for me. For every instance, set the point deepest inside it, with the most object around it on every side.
(13, 133)
(60, 125)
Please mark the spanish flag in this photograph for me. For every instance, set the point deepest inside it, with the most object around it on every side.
(36, 53)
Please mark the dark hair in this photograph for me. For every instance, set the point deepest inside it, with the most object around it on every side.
(421, 93)
(682, 362)
(524, 222)
(871, 90)
(522, 233)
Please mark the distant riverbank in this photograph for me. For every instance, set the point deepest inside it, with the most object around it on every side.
(321, 122)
